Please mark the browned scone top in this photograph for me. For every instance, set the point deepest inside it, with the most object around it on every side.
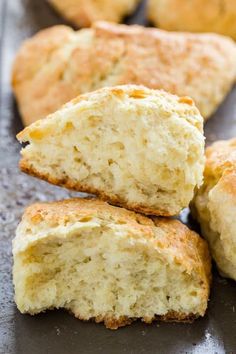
(214, 205)
(82, 13)
(220, 158)
(167, 236)
(194, 16)
(189, 248)
(58, 63)
(79, 209)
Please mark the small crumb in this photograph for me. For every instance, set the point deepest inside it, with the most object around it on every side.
(233, 308)
(58, 331)
(143, 333)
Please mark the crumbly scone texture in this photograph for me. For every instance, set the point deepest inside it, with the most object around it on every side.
(199, 15)
(132, 146)
(109, 264)
(214, 205)
(58, 63)
(82, 13)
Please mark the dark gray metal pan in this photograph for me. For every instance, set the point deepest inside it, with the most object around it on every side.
(57, 331)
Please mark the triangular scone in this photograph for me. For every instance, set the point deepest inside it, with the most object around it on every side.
(58, 64)
(108, 264)
(135, 147)
(214, 205)
(82, 13)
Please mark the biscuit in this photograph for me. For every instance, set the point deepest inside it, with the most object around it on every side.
(132, 146)
(58, 64)
(82, 13)
(108, 264)
(214, 205)
(194, 15)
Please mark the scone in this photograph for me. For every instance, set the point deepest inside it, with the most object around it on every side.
(58, 64)
(194, 16)
(132, 146)
(82, 13)
(215, 205)
(108, 264)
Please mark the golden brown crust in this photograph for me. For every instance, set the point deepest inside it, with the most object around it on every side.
(228, 182)
(220, 167)
(181, 234)
(115, 323)
(220, 157)
(84, 209)
(58, 64)
(198, 15)
(214, 204)
(82, 13)
(36, 51)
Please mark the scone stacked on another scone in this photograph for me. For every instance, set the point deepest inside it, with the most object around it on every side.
(58, 64)
(82, 13)
(194, 16)
(135, 147)
(214, 205)
(108, 264)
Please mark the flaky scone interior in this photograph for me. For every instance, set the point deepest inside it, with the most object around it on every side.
(135, 147)
(108, 264)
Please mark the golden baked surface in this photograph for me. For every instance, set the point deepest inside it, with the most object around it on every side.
(58, 63)
(108, 264)
(132, 146)
(214, 205)
(82, 13)
(194, 16)
(220, 157)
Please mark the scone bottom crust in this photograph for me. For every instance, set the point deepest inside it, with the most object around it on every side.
(75, 186)
(113, 323)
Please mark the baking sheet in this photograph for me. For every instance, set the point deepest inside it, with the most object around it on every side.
(57, 331)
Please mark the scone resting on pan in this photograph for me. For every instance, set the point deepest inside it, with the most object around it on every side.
(82, 13)
(135, 147)
(215, 205)
(108, 264)
(194, 16)
(58, 64)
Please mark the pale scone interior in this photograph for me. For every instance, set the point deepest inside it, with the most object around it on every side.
(135, 147)
(107, 267)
